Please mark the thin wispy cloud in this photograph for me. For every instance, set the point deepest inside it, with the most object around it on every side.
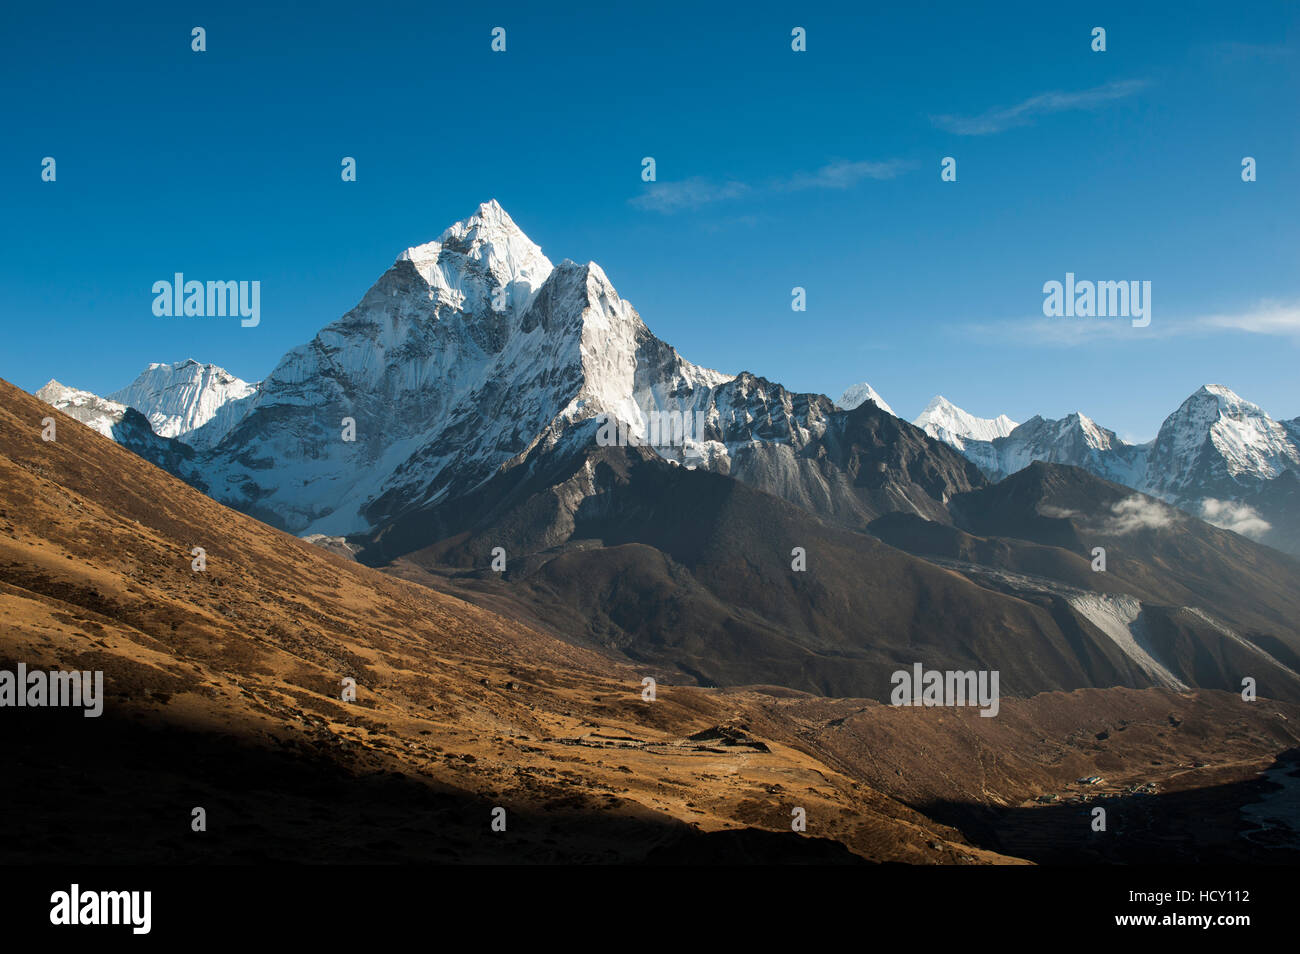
(696, 192)
(1024, 113)
(1270, 318)
(843, 174)
(1058, 332)
(687, 194)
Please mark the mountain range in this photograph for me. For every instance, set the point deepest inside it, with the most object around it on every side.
(484, 314)
(449, 429)
(1218, 456)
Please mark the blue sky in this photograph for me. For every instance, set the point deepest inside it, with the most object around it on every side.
(775, 169)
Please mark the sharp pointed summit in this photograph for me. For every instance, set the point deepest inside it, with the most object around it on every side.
(943, 419)
(855, 395)
(1217, 441)
(467, 351)
(484, 258)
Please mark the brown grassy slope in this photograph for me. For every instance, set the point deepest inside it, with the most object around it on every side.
(223, 690)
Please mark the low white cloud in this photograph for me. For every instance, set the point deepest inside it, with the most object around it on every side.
(1237, 517)
(1137, 513)
(1057, 513)
(1123, 517)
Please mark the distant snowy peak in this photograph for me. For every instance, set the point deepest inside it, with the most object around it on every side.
(128, 427)
(181, 398)
(859, 393)
(1215, 434)
(1213, 440)
(1075, 439)
(90, 409)
(944, 420)
(1077, 428)
(1217, 453)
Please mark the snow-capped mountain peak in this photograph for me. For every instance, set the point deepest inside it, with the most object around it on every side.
(179, 399)
(1217, 434)
(1090, 432)
(465, 353)
(1211, 403)
(858, 393)
(1075, 439)
(90, 409)
(1216, 452)
(484, 261)
(943, 420)
(127, 426)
